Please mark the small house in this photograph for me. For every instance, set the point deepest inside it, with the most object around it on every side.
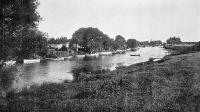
(55, 46)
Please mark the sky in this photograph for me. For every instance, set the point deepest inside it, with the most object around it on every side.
(133, 19)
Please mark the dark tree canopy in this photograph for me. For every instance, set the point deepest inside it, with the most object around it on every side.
(60, 40)
(132, 43)
(174, 40)
(121, 42)
(34, 44)
(91, 39)
(155, 43)
(17, 18)
(19, 12)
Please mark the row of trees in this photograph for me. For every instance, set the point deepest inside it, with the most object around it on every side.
(93, 40)
(19, 36)
(174, 40)
(132, 43)
(60, 40)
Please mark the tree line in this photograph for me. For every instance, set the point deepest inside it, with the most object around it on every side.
(60, 40)
(174, 40)
(93, 40)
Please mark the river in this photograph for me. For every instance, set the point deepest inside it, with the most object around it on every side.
(58, 71)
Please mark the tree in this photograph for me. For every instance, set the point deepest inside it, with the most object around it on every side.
(17, 17)
(34, 44)
(63, 48)
(132, 43)
(19, 12)
(173, 40)
(155, 43)
(121, 42)
(144, 43)
(60, 40)
(90, 39)
(107, 43)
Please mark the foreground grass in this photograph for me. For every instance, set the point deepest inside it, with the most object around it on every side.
(169, 86)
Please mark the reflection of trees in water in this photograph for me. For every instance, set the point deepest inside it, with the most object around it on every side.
(29, 71)
(7, 76)
(87, 70)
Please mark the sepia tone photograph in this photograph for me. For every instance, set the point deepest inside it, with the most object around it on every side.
(100, 56)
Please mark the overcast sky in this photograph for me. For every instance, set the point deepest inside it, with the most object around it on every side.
(138, 19)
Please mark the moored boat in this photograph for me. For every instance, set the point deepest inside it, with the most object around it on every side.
(151, 59)
(69, 57)
(91, 55)
(80, 56)
(134, 54)
(27, 61)
(105, 53)
(11, 62)
(119, 52)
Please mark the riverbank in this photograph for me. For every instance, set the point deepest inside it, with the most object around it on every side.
(171, 84)
(182, 49)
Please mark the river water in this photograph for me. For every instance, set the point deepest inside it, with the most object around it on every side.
(58, 71)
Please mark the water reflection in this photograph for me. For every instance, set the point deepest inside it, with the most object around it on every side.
(7, 77)
(58, 71)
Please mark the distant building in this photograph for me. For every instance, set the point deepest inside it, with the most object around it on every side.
(55, 46)
(66, 44)
(76, 47)
(58, 46)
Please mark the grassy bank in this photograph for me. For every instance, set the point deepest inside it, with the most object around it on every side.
(182, 49)
(171, 85)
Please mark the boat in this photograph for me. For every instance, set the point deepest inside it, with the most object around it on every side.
(27, 61)
(69, 57)
(129, 49)
(105, 53)
(9, 63)
(95, 54)
(154, 59)
(157, 59)
(119, 52)
(134, 54)
(91, 55)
